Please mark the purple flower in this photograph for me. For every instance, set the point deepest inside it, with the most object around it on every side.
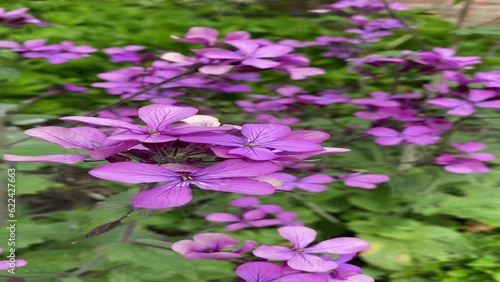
(249, 53)
(326, 97)
(312, 183)
(382, 99)
(11, 263)
(252, 202)
(158, 119)
(74, 88)
(211, 246)
(491, 79)
(208, 36)
(273, 119)
(234, 176)
(259, 141)
(476, 99)
(442, 58)
(456, 163)
(60, 53)
(83, 138)
(461, 165)
(125, 54)
(259, 271)
(366, 181)
(18, 18)
(301, 257)
(346, 272)
(420, 135)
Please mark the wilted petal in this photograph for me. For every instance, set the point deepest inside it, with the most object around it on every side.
(64, 159)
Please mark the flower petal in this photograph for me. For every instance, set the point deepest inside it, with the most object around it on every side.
(158, 117)
(300, 236)
(162, 197)
(310, 263)
(128, 172)
(342, 245)
(273, 252)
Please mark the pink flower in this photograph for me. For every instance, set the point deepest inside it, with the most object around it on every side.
(366, 181)
(303, 258)
(476, 99)
(211, 246)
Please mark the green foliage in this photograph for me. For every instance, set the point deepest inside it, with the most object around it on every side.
(420, 224)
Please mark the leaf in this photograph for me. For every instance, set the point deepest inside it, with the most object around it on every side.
(398, 242)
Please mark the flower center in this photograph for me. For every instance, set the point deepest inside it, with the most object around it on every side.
(186, 178)
(153, 132)
(250, 145)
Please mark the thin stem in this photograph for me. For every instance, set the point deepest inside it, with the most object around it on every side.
(405, 25)
(319, 211)
(461, 22)
(149, 245)
(88, 266)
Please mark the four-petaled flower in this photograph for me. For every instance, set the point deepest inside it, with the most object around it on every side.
(303, 258)
(476, 99)
(211, 246)
(259, 142)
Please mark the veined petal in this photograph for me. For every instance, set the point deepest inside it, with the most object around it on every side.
(103, 122)
(215, 241)
(158, 117)
(129, 172)
(236, 185)
(258, 133)
(61, 136)
(236, 168)
(254, 153)
(342, 245)
(310, 263)
(258, 271)
(293, 145)
(169, 195)
(214, 138)
(300, 236)
(273, 252)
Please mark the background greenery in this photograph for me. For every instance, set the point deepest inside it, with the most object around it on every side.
(425, 225)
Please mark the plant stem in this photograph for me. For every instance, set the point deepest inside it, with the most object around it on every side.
(319, 211)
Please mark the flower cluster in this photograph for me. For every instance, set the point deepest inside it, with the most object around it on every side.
(19, 18)
(169, 145)
(301, 262)
(253, 214)
(54, 53)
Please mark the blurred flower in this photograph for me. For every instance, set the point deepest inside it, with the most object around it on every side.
(211, 246)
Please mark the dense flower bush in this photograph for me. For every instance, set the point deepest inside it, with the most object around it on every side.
(176, 152)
